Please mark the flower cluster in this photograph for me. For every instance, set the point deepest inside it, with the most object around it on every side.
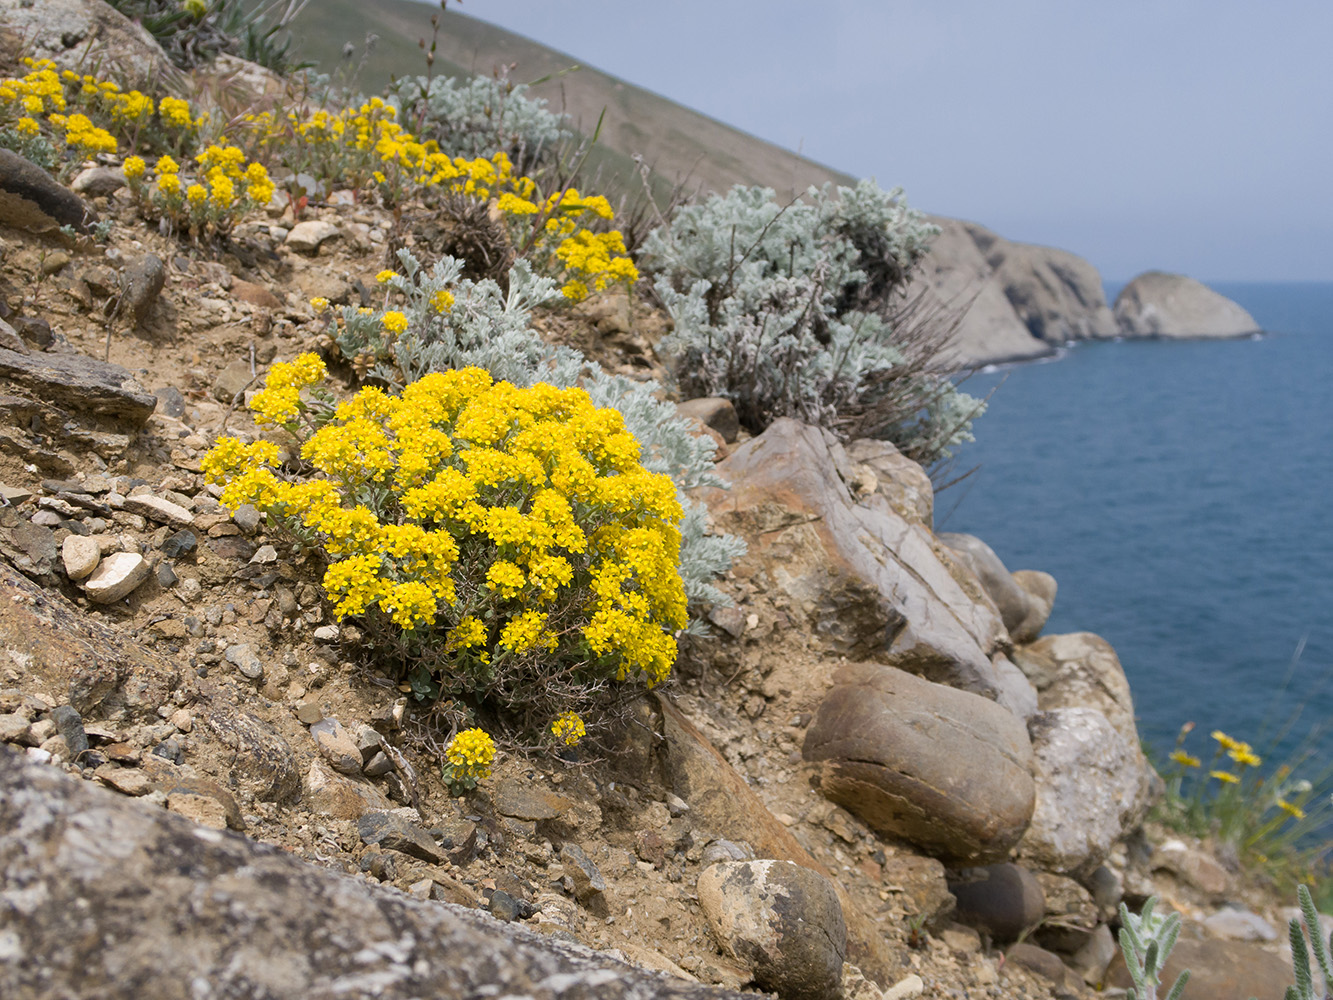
(224, 188)
(86, 115)
(510, 538)
(467, 760)
(568, 728)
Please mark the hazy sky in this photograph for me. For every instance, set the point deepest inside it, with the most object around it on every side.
(1185, 136)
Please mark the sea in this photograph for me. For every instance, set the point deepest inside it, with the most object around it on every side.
(1181, 493)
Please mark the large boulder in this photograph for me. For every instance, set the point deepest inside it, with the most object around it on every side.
(80, 384)
(1157, 304)
(1023, 612)
(79, 34)
(943, 769)
(1079, 670)
(781, 921)
(110, 897)
(1219, 970)
(30, 198)
(871, 583)
(901, 481)
(1093, 786)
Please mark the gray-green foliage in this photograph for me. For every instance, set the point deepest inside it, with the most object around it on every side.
(1300, 953)
(796, 311)
(489, 328)
(1146, 941)
(479, 116)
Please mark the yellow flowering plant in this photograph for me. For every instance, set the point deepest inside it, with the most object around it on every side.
(500, 545)
(467, 760)
(1268, 817)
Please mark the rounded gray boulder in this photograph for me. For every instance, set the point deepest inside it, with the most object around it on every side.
(782, 921)
(1157, 304)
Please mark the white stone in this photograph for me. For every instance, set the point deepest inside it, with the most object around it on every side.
(116, 576)
(306, 237)
(81, 554)
(162, 511)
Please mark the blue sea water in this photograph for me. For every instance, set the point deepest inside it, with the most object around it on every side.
(1180, 494)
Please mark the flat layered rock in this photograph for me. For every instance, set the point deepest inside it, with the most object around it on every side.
(80, 384)
(136, 902)
(946, 770)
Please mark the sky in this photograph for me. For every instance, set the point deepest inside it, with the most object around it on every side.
(1181, 136)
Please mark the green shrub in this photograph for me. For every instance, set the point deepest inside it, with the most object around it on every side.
(797, 311)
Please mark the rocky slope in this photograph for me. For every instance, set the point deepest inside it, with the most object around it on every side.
(876, 779)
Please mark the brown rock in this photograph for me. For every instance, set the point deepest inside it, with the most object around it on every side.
(256, 295)
(339, 797)
(1219, 970)
(82, 385)
(876, 740)
(713, 412)
(262, 763)
(30, 198)
(1004, 900)
(1079, 670)
(528, 802)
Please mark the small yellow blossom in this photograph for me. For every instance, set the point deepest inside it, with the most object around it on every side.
(1184, 759)
(568, 728)
(1224, 776)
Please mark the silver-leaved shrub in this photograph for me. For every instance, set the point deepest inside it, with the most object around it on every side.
(478, 117)
(798, 311)
(487, 327)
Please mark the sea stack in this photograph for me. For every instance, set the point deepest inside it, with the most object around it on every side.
(1157, 304)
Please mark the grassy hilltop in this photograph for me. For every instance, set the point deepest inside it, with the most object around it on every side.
(674, 140)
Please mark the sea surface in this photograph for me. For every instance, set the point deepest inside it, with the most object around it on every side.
(1181, 493)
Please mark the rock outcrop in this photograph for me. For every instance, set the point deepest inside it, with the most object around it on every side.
(1156, 304)
(872, 583)
(1015, 301)
(244, 918)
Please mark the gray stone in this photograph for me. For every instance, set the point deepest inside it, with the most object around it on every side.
(901, 481)
(876, 740)
(306, 237)
(340, 797)
(98, 181)
(1015, 691)
(1093, 787)
(16, 729)
(392, 832)
(337, 746)
(159, 510)
(244, 659)
(70, 726)
(1093, 959)
(503, 906)
(871, 583)
(170, 905)
(1022, 613)
(325, 634)
(80, 384)
(1239, 925)
(232, 380)
(714, 412)
(1192, 866)
(37, 542)
(583, 875)
(1156, 304)
(780, 920)
(180, 543)
(10, 339)
(1080, 670)
(1004, 900)
(262, 763)
(1038, 960)
(32, 199)
(247, 518)
(141, 282)
(81, 34)
(170, 402)
(116, 577)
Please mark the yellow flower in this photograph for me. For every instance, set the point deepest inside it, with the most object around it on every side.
(174, 111)
(394, 322)
(384, 277)
(442, 300)
(1244, 756)
(568, 728)
(1224, 776)
(1226, 741)
(134, 167)
(28, 128)
(1291, 810)
(1184, 759)
(319, 304)
(471, 753)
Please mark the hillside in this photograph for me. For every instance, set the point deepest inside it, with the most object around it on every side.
(675, 141)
